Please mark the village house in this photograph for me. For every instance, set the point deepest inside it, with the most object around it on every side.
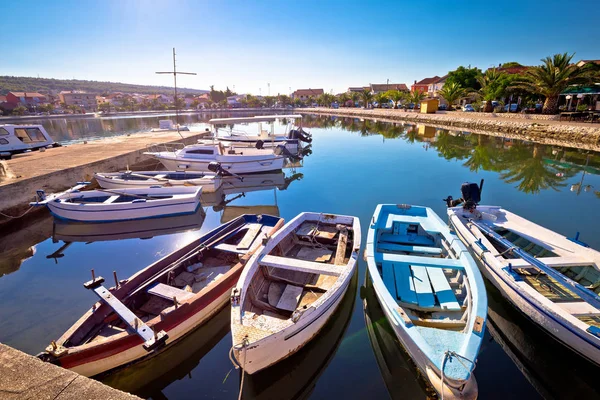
(31, 100)
(84, 100)
(423, 85)
(355, 89)
(160, 99)
(434, 87)
(376, 88)
(304, 94)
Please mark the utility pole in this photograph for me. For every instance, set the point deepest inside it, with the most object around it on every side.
(174, 72)
(269, 89)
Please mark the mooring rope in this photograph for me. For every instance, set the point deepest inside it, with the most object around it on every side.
(448, 355)
(244, 346)
(19, 216)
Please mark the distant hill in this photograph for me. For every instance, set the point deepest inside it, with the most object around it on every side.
(45, 86)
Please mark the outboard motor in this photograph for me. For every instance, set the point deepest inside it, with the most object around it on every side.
(471, 196)
(281, 150)
(300, 134)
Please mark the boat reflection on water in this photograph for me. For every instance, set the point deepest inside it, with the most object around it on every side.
(150, 377)
(552, 369)
(400, 374)
(296, 376)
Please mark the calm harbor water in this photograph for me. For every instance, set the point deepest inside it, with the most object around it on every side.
(355, 165)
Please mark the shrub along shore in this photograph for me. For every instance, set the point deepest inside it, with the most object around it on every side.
(519, 126)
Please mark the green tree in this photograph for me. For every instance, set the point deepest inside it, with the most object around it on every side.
(343, 98)
(451, 92)
(355, 96)
(105, 107)
(466, 77)
(381, 98)
(19, 110)
(367, 97)
(511, 64)
(491, 87)
(417, 96)
(396, 96)
(552, 77)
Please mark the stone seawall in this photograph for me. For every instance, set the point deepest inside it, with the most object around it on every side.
(563, 133)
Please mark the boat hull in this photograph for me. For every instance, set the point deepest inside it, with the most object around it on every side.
(581, 342)
(129, 212)
(236, 167)
(283, 344)
(209, 184)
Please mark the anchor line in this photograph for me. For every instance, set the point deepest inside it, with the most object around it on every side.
(448, 355)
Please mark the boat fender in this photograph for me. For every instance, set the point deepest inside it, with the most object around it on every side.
(235, 297)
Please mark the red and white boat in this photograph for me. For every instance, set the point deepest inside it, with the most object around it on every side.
(155, 307)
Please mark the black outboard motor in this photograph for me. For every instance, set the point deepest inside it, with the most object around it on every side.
(300, 134)
(471, 196)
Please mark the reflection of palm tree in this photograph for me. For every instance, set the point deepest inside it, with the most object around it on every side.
(484, 156)
(452, 147)
(412, 134)
(531, 171)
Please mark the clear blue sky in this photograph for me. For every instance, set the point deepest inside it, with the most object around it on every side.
(297, 44)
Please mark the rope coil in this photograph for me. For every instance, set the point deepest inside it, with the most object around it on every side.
(448, 354)
(243, 345)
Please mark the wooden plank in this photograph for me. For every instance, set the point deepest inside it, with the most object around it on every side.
(405, 286)
(275, 291)
(382, 246)
(300, 265)
(406, 239)
(290, 298)
(423, 288)
(387, 274)
(318, 254)
(168, 292)
(426, 261)
(246, 242)
(340, 253)
(323, 231)
(442, 289)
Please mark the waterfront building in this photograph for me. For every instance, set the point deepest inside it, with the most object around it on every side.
(423, 85)
(304, 94)
(31, 100)
(375, 88)
(77, 98)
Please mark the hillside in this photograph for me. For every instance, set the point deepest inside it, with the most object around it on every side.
(45, 86)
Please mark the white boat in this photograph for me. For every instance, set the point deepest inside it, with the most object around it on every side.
(291, 287)
(431, 292)
(104, 205)
(166, 125)
(553, 280)
(210, 181)
(290, 138)
(198, 157)
(15, 139)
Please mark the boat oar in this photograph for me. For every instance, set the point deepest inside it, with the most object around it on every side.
(138, 196)
(165, 180)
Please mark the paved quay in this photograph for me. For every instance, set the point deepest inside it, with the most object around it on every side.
(25, 377)
(540, 128)
(59, 168)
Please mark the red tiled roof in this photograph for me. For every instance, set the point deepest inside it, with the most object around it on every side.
(27, 94)
(384, 87)
(2, 99)
(427, 81)
(308, 92)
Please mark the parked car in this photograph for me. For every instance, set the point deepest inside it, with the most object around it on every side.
(468, 108)
(514, 107)
(443, 107)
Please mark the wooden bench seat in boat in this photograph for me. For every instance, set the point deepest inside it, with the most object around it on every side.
(580, 308)
(419, 286)
(425, 261)
(169, 292)
(406, 239)
(436, 251)
(300, 265)
(554, 262)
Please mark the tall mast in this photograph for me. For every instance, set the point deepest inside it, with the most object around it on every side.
(174, 72)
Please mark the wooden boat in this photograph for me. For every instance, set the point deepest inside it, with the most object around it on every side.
(553, 280)
(198, 157)
(291, 287)
(209, 181)
(431, 292)
(161, 303)
(297, 376)
(107, 205)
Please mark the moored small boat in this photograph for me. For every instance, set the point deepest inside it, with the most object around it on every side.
(155, 307)
(431, 292)
(210, 181)
(291, 287)
(17, 139)
(107, 205)
(553, 280)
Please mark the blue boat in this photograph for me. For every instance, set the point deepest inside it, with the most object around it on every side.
(431, 292)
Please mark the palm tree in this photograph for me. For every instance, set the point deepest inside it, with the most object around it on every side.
(343, 99)
(417, 96)
(367, 97)
(355, 97)
(552, 77)
(396, 96)
(490, 87)
(381, 98)
(451, 92)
